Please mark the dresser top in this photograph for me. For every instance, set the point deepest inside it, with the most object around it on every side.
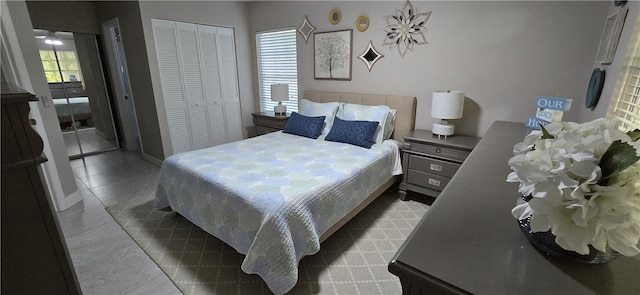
(469, 240)
(12, 93)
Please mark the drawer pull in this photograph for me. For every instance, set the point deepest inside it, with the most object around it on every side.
(434, 182)
(435, 167)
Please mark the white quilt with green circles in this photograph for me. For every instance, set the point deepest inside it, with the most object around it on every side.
(271, 197)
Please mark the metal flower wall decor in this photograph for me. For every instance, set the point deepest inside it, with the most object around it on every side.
(406, 29)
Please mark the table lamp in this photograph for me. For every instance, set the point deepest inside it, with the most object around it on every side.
(280, 93)
(446, 105)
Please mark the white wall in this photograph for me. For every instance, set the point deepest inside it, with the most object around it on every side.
(612, 71)
(502, 54)
(18, 33)
(232, 14)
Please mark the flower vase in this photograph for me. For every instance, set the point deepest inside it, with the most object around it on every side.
(545, 242)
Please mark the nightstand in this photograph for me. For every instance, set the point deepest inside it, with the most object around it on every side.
(429, 162)
(266, 122)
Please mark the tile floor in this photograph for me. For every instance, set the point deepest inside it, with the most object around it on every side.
(106, 259)
(89, 140)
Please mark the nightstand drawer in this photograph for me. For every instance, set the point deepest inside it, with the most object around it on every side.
(274, 123)
(428, 180)
(434, 166)
(440, 151)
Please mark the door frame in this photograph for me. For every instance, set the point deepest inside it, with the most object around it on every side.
(122, 89)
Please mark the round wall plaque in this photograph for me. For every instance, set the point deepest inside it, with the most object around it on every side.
(595, 88)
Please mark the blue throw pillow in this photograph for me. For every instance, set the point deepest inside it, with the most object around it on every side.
(304, 126)
(358, 133)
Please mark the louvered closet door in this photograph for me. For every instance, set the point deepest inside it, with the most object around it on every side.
(165, 35)
(199, 82)
(229, 80)
(212, 87)
(193, 84)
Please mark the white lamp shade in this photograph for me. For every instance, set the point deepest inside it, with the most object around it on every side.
(447, 104)
(279, 92)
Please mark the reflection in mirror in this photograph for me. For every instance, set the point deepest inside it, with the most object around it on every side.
(334, 16)
(362, 23)
(73, 69)
(370, 56)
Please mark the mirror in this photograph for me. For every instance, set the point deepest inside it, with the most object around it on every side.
(305, 29)
(334, 16)
(370, 56)
(362, 23)
(72, 67)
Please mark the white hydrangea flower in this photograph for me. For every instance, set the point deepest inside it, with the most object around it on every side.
(563, 176)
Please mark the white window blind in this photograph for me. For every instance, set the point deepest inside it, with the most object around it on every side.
(277, 63)
(625, 103)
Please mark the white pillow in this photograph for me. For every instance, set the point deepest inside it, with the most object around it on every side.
(360, 112)
(314, 109)
(389, 124)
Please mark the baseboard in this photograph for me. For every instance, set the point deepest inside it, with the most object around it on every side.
(104, 135)
(53, 188)
(152, 160)
(70, 200)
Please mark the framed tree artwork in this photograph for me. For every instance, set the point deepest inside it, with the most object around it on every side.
(332, 55)
(611, 36)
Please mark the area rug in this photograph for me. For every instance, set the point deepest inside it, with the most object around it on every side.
(352, 261)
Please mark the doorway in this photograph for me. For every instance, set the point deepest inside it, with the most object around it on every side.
(73, 69)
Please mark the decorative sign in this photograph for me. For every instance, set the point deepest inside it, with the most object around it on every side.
(534, 123)
(550, 109)
(554, 103)
(549, 115)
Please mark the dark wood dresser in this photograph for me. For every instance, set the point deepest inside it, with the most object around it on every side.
(35, 259)
(469, 243)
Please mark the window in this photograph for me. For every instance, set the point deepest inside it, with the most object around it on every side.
(277, 63)
(68, 64)
(625, 103)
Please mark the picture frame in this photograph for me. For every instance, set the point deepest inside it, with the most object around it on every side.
(332, 55)
(611, 36)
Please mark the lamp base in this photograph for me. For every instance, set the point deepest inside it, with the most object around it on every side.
(280, 109)
(444, 128)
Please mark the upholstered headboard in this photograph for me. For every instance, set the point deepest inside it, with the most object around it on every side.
(406, 106)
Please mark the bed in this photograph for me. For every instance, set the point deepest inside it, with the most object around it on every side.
(78, 106)
(276, 197)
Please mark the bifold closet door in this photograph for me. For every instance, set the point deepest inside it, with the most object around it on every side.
(190, 65)
(221, 85)
(212, 85)
(165, 37)
(204, 109)
(229, 80)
